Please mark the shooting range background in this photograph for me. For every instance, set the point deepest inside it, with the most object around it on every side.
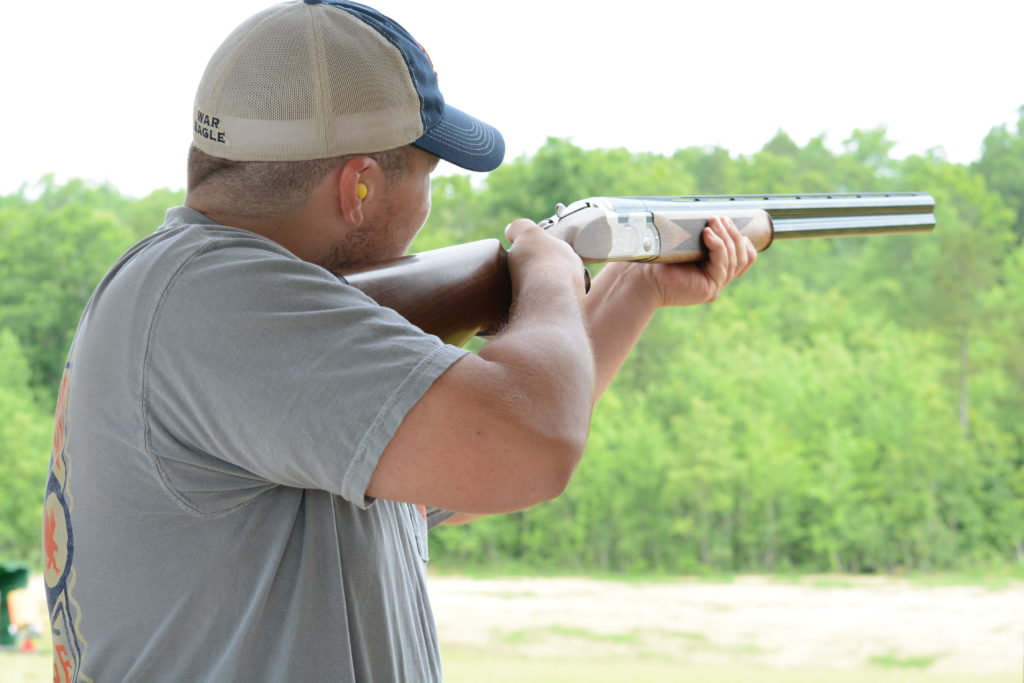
(849, 407)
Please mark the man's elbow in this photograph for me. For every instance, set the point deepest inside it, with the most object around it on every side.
(522, 475)
(560, 460)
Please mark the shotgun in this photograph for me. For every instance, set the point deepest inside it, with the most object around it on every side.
(461, 291)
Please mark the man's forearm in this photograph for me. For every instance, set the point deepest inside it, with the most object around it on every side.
(547, 352)
(618, 309)
(625, 295)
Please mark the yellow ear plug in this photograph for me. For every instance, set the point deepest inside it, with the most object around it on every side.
(361, 190)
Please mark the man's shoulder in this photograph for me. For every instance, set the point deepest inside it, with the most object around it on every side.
(187, 234)
(191, 251)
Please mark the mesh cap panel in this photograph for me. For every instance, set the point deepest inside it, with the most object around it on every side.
(305, 82)
(316, 79)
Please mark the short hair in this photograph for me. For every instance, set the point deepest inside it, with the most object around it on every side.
(253, 189)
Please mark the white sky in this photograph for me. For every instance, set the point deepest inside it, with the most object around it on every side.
(103, 90)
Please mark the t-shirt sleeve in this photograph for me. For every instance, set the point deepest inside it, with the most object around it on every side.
(436, 517)
(269, 364)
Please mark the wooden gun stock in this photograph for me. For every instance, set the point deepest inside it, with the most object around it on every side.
(455, 292)
(461, 291)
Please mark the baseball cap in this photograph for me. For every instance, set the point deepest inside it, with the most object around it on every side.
(312, 79)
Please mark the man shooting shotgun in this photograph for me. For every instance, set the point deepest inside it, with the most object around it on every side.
(248, 452)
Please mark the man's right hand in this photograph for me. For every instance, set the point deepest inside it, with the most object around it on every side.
(537, 258)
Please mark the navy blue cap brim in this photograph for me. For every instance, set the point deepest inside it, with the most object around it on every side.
(465, 141)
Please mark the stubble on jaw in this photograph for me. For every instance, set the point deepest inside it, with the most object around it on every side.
(372, 242)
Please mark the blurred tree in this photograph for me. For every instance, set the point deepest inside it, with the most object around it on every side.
(53, 251)
(24, 441)
(1002, 165)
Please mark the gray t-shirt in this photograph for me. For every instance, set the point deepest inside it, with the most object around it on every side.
(223, 408)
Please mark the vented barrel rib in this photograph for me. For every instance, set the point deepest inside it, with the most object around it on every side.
(809, 215)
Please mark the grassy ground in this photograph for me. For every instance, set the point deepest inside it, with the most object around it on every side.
(466, 666)
(561, 648)
(995, 577)
(463, 665)
(18, 667)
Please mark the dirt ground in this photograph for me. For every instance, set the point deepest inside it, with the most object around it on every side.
(823, 623)
(827, 623)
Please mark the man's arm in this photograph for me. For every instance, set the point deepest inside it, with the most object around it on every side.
(504, 429)
(624, 296)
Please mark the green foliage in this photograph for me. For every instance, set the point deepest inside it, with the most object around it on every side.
(849, 405)
(24, 447)
(894, 661)
(1002, 165)
(53, 250)
(562, 172)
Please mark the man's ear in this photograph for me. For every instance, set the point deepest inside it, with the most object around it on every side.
(358, 183)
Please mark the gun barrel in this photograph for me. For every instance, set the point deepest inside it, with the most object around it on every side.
(811, 215)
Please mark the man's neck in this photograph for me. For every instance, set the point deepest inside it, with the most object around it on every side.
(297, 232)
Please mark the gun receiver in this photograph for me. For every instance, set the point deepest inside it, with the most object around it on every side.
(458, 292)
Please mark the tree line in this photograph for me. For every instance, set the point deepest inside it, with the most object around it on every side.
(848, 405)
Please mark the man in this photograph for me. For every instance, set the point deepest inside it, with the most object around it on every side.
(248, 453)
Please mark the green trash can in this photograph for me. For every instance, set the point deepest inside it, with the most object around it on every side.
(12, 577)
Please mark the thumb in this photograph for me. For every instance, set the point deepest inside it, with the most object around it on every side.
(517, 227)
